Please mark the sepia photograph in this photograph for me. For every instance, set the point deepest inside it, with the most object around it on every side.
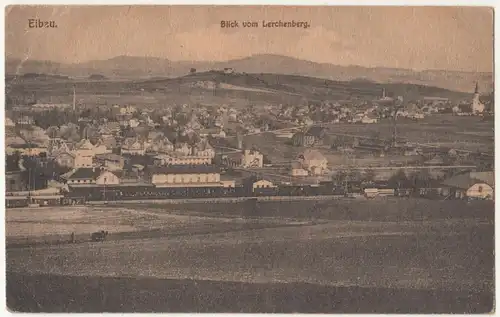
(249, 159)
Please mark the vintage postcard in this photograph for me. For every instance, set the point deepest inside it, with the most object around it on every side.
(249, 159)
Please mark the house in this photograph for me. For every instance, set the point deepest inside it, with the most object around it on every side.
(182, 148)
(313, 161)
(232, 117)
(25, 120)
(14, 181)
(84, 176)
(220, 134)
(297, 170)
(203, 149)
(127, 110)
(112, 162)
(357, 117)
(185, 176)
(26, 149)
(160, 145)
(108, 141)
(252, 159)
(369, 118)
(107, 178)
(313, 136)
(84, 154)
(417, 115)
(219, 122)
(435, 161)
(378, 189)
(476, 185)
(133, 123)
(262, 184)
(9, 122)
(66, 159)
(412, 151)
(227, 183)
(307, 121)
(110, 128)
(207, 132)
(133, 146)
(101, 148)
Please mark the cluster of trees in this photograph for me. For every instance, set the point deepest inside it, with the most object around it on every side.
(54, 117)
(57, 117)
(38, 169)
(400, 179)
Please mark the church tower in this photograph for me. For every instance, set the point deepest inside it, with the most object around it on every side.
(477, 106)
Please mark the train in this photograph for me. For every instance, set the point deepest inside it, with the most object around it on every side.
(78, 195)
(144, 192)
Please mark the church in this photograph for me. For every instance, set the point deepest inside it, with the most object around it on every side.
(477, 106)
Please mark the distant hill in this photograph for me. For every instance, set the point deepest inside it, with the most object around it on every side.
(148, 67)
(292, 85)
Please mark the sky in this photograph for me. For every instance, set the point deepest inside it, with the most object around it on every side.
(448, 38)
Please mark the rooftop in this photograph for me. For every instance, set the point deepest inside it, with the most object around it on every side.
(315, 131)
(85, 173)
(184, 169)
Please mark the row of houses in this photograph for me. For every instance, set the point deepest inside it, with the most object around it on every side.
(472, 185)
(160, 176)
(86, 154)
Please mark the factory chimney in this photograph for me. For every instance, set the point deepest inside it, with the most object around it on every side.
(74, 98)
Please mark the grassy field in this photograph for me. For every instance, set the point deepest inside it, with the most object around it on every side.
(50, 225)
(389, 209)
(318, 268)
(353, 256)
(50, 293)
(463, 133)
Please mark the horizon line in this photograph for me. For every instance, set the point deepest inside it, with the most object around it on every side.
(249, 56)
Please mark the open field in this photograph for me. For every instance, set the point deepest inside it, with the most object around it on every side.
(25, 225)
(461, 133)
(108, 294)
(353, 256)
(378, 210)
(465, 133)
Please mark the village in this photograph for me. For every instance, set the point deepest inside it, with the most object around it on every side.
(356, 147)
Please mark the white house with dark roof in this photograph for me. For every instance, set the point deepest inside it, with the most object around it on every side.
(262, 183)
(107, 178)
(479, 185)
(313, 161)
(369, 118)
(84, 153)
(92, 176)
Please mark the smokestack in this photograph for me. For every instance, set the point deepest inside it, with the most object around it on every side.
(74, 98)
